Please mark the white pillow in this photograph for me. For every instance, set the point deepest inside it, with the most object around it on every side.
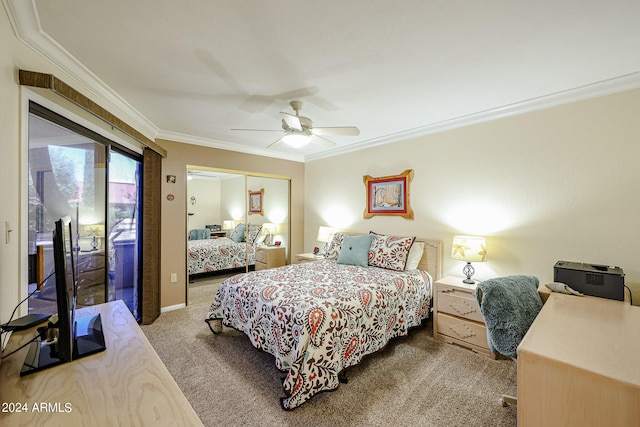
(415, 255)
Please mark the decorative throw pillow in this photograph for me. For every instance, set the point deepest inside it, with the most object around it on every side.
(260, 239)
(390, 252)
(238, 233)
(332, 250)
(415, 255)
(254, 230)
(355, 250)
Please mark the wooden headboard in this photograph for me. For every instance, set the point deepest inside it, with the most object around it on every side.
(432, 258)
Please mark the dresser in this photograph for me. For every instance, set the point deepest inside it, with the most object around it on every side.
(127, 384)
(456, 316)
(270, 257)
(578, 364)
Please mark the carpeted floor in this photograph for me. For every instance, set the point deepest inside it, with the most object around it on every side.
(414, 381)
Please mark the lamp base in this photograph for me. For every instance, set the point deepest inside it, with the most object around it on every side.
(468, 271)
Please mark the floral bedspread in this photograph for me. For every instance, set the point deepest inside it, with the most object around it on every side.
(318, 318)
(218, 254)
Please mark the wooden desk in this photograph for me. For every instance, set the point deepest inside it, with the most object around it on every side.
(578, 364)
(127, 384)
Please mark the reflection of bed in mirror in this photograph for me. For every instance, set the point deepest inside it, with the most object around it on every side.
(224, 253)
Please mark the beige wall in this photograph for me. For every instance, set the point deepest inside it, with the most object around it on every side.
(555, 184)
(206, 209)
(174, 213)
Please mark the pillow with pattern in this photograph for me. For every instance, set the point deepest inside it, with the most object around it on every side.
(254, 230)
(390, 252)
(332, 250)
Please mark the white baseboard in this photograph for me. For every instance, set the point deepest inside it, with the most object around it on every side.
(172, 307)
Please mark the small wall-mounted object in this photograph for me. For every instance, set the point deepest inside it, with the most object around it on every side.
(389, 195)
(256, 200)
(171, 179)
(171, 197)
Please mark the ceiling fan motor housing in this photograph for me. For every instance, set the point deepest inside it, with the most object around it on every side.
(305, 122)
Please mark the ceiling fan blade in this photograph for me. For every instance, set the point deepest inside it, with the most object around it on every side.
(292, 121)
(275, 144)
(260, 130)
(337, 131)
(320, 141)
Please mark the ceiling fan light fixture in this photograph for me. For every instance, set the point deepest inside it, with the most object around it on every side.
(296, 140)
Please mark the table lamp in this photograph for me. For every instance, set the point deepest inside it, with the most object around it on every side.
(268, 229)
(228, 225)
(325, 235)
(469, 249)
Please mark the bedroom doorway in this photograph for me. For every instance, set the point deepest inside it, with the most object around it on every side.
(241, 210)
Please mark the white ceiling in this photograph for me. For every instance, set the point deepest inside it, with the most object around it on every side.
(192, 70)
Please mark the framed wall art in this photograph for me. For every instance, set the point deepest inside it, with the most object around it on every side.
(389, 195)
(256, 200)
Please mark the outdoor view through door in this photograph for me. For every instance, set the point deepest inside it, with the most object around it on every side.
(74, 171)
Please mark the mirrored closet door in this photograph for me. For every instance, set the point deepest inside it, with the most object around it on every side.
(236, 222)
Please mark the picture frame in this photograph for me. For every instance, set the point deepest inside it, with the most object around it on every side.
(389, 195)
(256, 200)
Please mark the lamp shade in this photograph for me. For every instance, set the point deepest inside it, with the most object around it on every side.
(268, 228)
(469, 248)
(228, 224)
(325, 234)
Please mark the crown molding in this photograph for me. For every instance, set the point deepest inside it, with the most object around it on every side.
(26, 26)
(580, 93)
(212, 143)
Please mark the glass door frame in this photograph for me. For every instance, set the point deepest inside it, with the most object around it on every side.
(75, 115)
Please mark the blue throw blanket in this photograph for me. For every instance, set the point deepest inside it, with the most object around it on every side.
(509, 306)
(199, 234)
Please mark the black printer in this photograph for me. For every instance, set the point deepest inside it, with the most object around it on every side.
(591, 279)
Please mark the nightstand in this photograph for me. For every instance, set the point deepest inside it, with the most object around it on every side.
(456, 316)
(269, 257)
(307, 257)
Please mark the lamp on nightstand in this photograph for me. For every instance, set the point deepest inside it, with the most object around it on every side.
(469, 249)
(269, 229)
(325, 235)
(228, 225)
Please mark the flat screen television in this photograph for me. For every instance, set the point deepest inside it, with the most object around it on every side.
(67, 338)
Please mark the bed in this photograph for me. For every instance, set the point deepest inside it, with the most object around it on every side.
(319, 318)
(223, 253)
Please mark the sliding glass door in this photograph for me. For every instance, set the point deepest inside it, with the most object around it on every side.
(76, 172)
(124, 222)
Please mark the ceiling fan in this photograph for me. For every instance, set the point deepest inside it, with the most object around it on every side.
(299, 131)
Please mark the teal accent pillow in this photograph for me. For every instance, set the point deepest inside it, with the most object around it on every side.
(355, 250)
(238, 234)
